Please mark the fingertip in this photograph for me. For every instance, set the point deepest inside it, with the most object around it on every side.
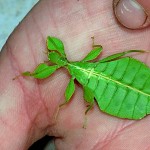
(131, 14)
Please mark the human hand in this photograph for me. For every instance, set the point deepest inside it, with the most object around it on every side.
(28, 106)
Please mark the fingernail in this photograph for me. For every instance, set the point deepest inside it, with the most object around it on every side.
(130, 13)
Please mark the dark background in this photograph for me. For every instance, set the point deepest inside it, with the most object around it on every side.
(40, 145)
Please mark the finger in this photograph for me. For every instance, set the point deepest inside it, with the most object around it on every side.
(145, 4)
(132, 14)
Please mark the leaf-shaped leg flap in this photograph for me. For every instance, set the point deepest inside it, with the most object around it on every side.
(69, 91)
(42, 71)
(119, 55)
(89, 97)
(93, 54)
(97, 49)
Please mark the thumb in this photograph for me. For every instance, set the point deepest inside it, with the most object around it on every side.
(133, 14)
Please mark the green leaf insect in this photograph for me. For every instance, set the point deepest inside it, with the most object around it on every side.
(120, 85)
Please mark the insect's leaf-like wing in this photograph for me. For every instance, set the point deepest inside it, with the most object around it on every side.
(122, 88)
(119, 55)
(41, 71)
(55, 44)
(93, 54)
(70, 90)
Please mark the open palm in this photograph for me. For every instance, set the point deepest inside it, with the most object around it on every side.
(28, 106)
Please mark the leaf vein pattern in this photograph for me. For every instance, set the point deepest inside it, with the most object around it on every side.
(96, 84)
(104, 91)
(104, 69)
(135, 105)
(122, 103)
(145, 82)
(114, 69)
(124, 70)
(111, 98)
(136, 73)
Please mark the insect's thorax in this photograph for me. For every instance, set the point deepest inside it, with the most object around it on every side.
(81, 71)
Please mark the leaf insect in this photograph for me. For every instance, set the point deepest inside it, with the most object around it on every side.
(119, 84)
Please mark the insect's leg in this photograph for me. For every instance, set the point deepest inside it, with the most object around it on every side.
(89, 98)
(69, 91)
(63, 104)
(68, 94)
(58, 109)
(27, 73)
(93, 43)
(120, 55)
(16, 77)
(89, 107)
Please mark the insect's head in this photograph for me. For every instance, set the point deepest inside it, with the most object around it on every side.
(56, 53)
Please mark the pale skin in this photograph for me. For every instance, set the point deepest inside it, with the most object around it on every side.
(28, 106)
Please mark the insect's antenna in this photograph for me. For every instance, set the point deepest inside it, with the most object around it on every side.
(16, 77)
(58, 109)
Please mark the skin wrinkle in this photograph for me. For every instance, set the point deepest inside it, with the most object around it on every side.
(37, 83)
(43, 39)
(12, 59)
(44, 104)
(39, 90)
(85, 16)
(32, 122)
(147, 148)
(37, 26)
(1, 119)
(109, 138)
(46, 108)
(30, 44)
(98, 142)
(51, 17)
(15, 67)
(117, 134)
(80, 143)
(19, 80)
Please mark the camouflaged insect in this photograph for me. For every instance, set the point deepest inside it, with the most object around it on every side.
(120, 85)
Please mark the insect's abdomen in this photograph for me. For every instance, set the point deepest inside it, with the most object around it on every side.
(122, 88)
